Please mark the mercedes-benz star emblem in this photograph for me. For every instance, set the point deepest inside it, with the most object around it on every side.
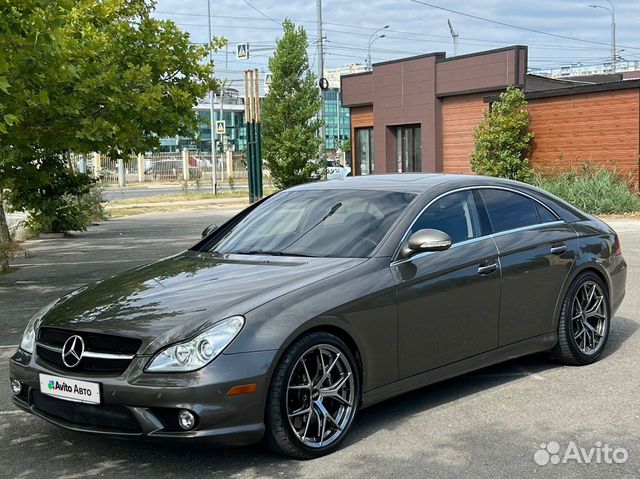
(72, 351)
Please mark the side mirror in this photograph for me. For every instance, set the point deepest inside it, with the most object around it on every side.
(426, 240)
(208, 230)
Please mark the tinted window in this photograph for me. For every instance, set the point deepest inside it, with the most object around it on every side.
(545, 215)
(337, 223)
(509, 210)
(455, 214)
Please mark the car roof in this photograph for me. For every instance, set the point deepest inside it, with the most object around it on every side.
(416, 183)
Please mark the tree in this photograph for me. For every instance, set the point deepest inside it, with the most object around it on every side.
(87, 76)
(502, 140)
(289, 112)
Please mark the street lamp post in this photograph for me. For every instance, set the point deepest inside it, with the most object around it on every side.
(371, 40)
(612, 11)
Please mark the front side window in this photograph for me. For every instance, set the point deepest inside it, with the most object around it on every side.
(326, 223)
(508, 210)
(454, 214)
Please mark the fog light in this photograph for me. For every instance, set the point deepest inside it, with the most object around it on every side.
(16, 386)
(186, 419)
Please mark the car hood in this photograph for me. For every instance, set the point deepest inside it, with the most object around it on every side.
(172, 299)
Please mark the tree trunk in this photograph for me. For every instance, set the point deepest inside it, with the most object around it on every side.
(5, 238)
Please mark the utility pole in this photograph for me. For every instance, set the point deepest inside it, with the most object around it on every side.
(222, 85)
(214, 172)
(455, 36)
(321, 72)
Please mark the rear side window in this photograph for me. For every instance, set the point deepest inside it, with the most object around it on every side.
(545, 215)
(509, 210)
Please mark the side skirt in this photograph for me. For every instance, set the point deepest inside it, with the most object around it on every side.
(521, 348)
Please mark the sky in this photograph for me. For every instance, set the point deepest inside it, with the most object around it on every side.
(413, 29)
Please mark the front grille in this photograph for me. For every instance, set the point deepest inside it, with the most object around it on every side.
(93, 365)
(95, 343)
(111, 418)
(98, 343)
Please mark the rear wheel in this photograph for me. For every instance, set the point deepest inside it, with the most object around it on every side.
(313, 397)
(583, 328)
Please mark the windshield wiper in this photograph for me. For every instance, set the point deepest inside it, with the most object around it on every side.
(272, 253)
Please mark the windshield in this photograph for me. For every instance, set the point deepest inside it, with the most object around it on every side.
(336, 223)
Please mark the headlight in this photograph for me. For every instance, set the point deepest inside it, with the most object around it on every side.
(199, 351)
(29, 337)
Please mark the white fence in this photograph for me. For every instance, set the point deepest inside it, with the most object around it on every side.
(168, 167)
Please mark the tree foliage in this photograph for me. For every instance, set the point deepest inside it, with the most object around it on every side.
(502, 140)
(289, 123)
(84, 76)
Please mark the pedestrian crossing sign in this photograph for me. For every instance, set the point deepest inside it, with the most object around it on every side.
(242, 51)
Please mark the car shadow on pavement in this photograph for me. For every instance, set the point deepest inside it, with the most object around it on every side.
(393, 412)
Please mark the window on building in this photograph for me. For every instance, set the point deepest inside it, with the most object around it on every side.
(364, 151)
(409, 148)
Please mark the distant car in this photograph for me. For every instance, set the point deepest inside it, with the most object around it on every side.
(336, 170)
(321, 300)
(171, 170)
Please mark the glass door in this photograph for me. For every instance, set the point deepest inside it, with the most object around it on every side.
(409, 148)
(365, 159)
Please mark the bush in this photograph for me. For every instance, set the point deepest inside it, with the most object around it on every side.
(58, 200)
(593, 189)
(502, 140)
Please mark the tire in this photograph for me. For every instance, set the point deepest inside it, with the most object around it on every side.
(295, 437)
(579, 344)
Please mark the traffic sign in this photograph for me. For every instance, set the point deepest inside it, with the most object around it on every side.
(242, 51)
(220, 127)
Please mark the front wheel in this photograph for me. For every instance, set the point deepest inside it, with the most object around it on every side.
(583, 328)
(313, 397)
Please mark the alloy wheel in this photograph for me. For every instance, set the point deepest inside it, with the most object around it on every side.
(589, 318)
(320, 396)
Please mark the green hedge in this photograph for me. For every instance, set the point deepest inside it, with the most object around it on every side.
(592, 189)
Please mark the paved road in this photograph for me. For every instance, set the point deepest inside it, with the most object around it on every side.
(115, 193)
(486, 424)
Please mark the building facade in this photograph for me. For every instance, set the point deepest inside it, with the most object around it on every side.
(336, 119)
(418, 114)
(337, 125)
(235, 129)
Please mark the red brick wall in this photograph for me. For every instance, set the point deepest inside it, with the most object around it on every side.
(602, 128)
(460, 114)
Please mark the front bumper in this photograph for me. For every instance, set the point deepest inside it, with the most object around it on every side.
(145, 405)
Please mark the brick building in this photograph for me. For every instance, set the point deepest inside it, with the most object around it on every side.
(418, 113)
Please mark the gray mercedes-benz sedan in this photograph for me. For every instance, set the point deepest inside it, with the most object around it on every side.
(315, 302)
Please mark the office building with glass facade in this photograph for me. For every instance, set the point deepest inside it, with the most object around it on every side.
(233, 116)
(337, 120)
(337, 125)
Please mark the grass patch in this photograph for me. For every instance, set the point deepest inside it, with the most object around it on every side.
(592, 189)
(195, 196)
(116, 212)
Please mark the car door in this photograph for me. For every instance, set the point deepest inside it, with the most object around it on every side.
(536, 251)
(448, 300)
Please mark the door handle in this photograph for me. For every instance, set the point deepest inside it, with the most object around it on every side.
(558, 248)
(487, 269)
